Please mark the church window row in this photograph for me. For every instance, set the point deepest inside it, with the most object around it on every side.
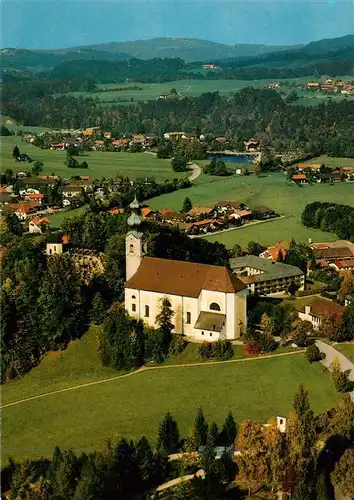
(210, 334)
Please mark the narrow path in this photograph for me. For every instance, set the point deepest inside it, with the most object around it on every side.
(332, 353)
(145, 369)
(179, 480)
(196, 171)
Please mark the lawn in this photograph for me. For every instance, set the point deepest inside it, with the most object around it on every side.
(101, 164)
(56, 220)
(272, 190)
(133, 406)
(347, 349)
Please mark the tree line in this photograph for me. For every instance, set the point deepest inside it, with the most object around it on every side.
(325, 128)
(267, 460)
(331, 217)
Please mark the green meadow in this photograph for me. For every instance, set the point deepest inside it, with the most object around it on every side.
(101, 164)
(133, 406)
(272, 190)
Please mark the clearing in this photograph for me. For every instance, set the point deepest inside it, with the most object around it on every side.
(133, 406)
(271, 190)
(101, 164)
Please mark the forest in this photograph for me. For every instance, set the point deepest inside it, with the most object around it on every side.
(322, 129)
(332, 217)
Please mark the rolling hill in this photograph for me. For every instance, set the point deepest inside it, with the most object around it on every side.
(189, 49)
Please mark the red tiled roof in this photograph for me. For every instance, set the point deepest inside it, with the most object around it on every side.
(244, 213)
(35, 196)
(332, 253)
(299, 177)
(40, 220)
(206, 222)
(115, 211)
(146, 211)
(165, 211)
(24, 207)
(183, 278)
(344, 263)
(322, 308)
(200, 210)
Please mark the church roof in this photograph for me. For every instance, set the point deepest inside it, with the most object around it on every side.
(210, 321)
(177, 277)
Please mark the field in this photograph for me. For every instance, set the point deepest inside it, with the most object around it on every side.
(272, 190)
(124, 94)
(132, 406)
(56, 220)
(101, 164)
(346, 349)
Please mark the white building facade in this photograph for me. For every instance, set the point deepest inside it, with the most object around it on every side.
(209, 302)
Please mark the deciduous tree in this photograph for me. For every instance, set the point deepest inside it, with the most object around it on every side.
(343, 474)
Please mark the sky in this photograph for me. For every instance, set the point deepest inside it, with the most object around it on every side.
(60, 23)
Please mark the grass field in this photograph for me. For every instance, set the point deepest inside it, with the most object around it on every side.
(272, 190)
(193, 88)
(346, 349)
(56, 220)
(101, 164)
(132, 406)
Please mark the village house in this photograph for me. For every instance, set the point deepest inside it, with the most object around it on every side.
(263, 212)
(331, 254)
(274, 252)
(314, 167)
(37, 223)
(229, 206)
(24, 210)
(196, 211)
(265, 277)
(107, 135)
(299, 178)
(205, 226)
(319, 309)
(72, 192)
(251, 145)
(209, 302)
(343, 265)
(7, 198)
(38, 197)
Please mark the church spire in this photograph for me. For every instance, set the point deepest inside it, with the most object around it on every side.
(135, 218)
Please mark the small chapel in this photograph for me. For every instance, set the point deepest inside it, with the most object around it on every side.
(209, 302)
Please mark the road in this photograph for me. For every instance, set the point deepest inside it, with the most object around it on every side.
(196, 171)
(332, 353)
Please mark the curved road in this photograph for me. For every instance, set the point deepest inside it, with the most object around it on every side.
(196, 171)
(332, 353)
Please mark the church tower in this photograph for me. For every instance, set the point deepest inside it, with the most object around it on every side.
(134, 242)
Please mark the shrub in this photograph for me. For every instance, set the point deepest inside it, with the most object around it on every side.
(205, 351)
(267, 343)
(222, 350)
(341, 382)
(313, 353)
(177, 345)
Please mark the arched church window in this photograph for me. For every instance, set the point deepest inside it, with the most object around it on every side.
(133, 297)
(214, 307)
(131, 248)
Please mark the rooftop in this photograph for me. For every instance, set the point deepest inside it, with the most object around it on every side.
(210, 321)
(332, 253)
(183, 278)
(270, 269)
(322, 308)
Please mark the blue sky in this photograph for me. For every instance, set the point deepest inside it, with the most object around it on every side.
(62, 23)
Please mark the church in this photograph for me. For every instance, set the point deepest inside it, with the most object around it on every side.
(209, 302)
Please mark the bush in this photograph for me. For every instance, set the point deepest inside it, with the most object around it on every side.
(222, 350)
(341, 382)
(205, 351)
(177, 345)
(267, 343)
(313, 353)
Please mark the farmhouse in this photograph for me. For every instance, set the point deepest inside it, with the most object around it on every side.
(251, 145)
(274, 251)
(319, 309)
(209, 302)
(264, 277)
(37, 223)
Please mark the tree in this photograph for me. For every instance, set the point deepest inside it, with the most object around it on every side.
(145, 458)
(4, 131)
(187, 205)
(13, 224)
(205, 351)
(208, 453)
(266, 324)
(236, 251)
(200, 430)
(312, 353)
(342, 422)
(98, 309)
(302, 332)
(214, 433)
(16, 153)
(37, 167)
(348, 317)
(343, 474)
(342, 382)
(168, 435)
(333, 328)
(252, 466)
(254, 248)
(301, 435)
(179, 163)
(229, 430)
(276, 456)
(163, 321)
